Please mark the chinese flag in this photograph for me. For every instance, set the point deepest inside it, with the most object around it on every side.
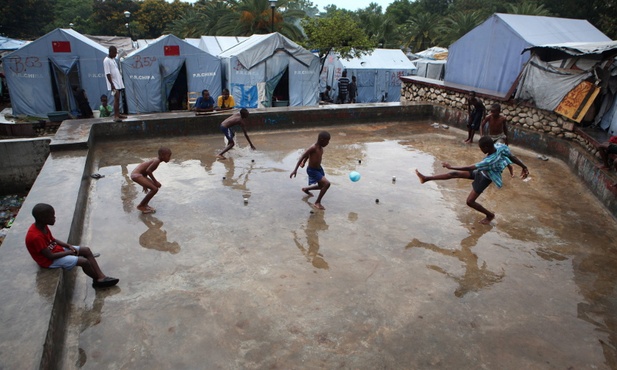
(171, 50)
(61, 46)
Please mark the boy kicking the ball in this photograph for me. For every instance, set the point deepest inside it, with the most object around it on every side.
(314, 170)
(489, 170)
(143, 174)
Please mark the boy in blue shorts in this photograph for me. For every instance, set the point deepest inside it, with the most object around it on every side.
(489, 170)
(314, 170)
(49, 252)
(236, 119)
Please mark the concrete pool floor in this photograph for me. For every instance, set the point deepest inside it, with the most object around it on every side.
(410, 282)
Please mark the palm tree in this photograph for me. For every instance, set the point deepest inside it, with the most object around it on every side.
(379, 27)
(248, 17)
(528, 8)
(420, 31)
(456, 25)
(200, 20)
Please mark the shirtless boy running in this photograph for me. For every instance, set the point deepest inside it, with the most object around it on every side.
(314, 170)
(143, 174)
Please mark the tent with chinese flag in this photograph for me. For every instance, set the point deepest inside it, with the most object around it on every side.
(158, 77)
(43, 75)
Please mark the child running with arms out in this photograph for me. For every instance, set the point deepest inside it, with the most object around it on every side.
(143, 174)
(49, 252)
(489, 170)
(314, 170)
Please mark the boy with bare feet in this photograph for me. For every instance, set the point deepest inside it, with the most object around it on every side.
(49, 252)
(476, 111)
(144, 176)
(482, 173)
(314, 170)
(236, 119)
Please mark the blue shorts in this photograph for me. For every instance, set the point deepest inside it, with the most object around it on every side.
(66, 262)
(315, 175)
(228, 132)
(480, 181)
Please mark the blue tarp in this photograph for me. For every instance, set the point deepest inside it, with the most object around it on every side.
(42, 74)
(491, 56)
(150, 73)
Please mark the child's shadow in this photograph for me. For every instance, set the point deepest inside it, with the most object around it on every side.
(315, 223)
(155, 237)
(475, 277)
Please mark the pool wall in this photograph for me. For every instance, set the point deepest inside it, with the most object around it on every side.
(35, 301)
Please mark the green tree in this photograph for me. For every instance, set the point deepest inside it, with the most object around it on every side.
(456, 25)
(23, 19)
(377, 26)
(249, 17)
(527, 7)
(108, 16)
(339, 33)
(154, 16)
(420, 31)
(70, 11)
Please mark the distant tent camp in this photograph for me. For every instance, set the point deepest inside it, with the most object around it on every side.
(124, 45)
(490, 57)
(378, 74)
(159, 76)
(42, 74)
(271, 70)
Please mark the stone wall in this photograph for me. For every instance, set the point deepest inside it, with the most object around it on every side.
(517, 114)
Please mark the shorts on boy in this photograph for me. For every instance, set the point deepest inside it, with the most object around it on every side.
(228, 132)
(66, 262)
(480, 181)
(315, 175)
(476, 118)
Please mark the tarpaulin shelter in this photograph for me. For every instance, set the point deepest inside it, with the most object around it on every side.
(431, 68)
(378, 74)
(267, 70)
(570, 77)
(158, 77)
(491, 56)
(11, 44)
(43, 74)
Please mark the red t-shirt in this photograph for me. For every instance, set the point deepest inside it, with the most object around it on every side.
(36, 241)
(613, 140)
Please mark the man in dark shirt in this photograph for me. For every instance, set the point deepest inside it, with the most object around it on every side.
(343, 84)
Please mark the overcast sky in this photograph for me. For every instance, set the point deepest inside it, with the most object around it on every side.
(351, 4)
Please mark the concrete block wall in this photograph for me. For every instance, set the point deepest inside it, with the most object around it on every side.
(21, 161)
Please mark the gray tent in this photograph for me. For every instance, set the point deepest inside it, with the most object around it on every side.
(490, 56)
(42, 74)
(159, 76)
(270, 69)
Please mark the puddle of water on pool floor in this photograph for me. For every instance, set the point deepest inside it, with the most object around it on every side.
(409, 282)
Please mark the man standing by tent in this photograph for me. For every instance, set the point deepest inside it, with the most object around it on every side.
(343, 84)
(114, 81)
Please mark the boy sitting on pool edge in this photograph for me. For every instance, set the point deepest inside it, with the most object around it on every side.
(49, 252)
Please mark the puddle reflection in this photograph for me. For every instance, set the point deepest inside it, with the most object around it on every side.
(128, 192)
(155, 237)
(92, 316)
(316, 222)
(475, 277)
